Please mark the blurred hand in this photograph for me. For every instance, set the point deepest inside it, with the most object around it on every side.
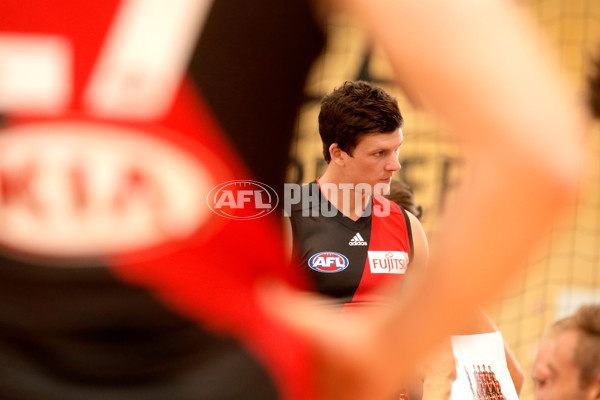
(439, 372)
(353, 349)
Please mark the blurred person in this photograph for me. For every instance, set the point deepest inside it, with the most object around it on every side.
(567, 364)
(120, 116)
(403, 195)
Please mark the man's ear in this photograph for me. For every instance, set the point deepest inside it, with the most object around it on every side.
(336, 154)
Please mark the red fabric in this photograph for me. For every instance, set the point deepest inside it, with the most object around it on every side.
(386, 233)
(211, 275)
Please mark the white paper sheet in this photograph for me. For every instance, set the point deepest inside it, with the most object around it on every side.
(482, 371)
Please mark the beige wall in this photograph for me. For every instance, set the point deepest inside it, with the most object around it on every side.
(567, 268)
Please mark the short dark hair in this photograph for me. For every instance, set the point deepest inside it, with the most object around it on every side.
(355, 109)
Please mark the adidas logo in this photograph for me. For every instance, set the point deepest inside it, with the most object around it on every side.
(357, 240)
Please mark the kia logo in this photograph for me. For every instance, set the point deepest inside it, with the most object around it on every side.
(242, 199)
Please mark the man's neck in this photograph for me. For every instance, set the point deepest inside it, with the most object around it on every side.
(343, 195)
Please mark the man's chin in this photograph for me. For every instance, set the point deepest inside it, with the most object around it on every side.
(381, 188)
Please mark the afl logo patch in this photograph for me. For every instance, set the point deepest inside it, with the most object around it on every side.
(328, 262)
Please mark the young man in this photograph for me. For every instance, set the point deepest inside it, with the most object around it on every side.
(351, 240)
(567, 363)
(355, 245)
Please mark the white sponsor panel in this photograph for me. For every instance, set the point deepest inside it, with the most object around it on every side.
(388, 262)
(35, 73)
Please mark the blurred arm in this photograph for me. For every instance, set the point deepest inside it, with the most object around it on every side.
(479, 67)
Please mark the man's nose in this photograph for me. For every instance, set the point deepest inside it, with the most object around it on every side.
(394, 163)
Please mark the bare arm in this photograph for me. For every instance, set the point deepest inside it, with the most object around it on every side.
(420, 244)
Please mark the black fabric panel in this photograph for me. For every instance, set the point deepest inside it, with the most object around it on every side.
(315, 233)
(409, 232)
(250, 64)
(73, 333)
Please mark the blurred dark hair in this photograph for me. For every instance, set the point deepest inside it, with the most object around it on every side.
(402, 194)
(593, 97)
(354, 110)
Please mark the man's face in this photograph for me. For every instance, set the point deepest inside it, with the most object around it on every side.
(374, 159)
(555, 375)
